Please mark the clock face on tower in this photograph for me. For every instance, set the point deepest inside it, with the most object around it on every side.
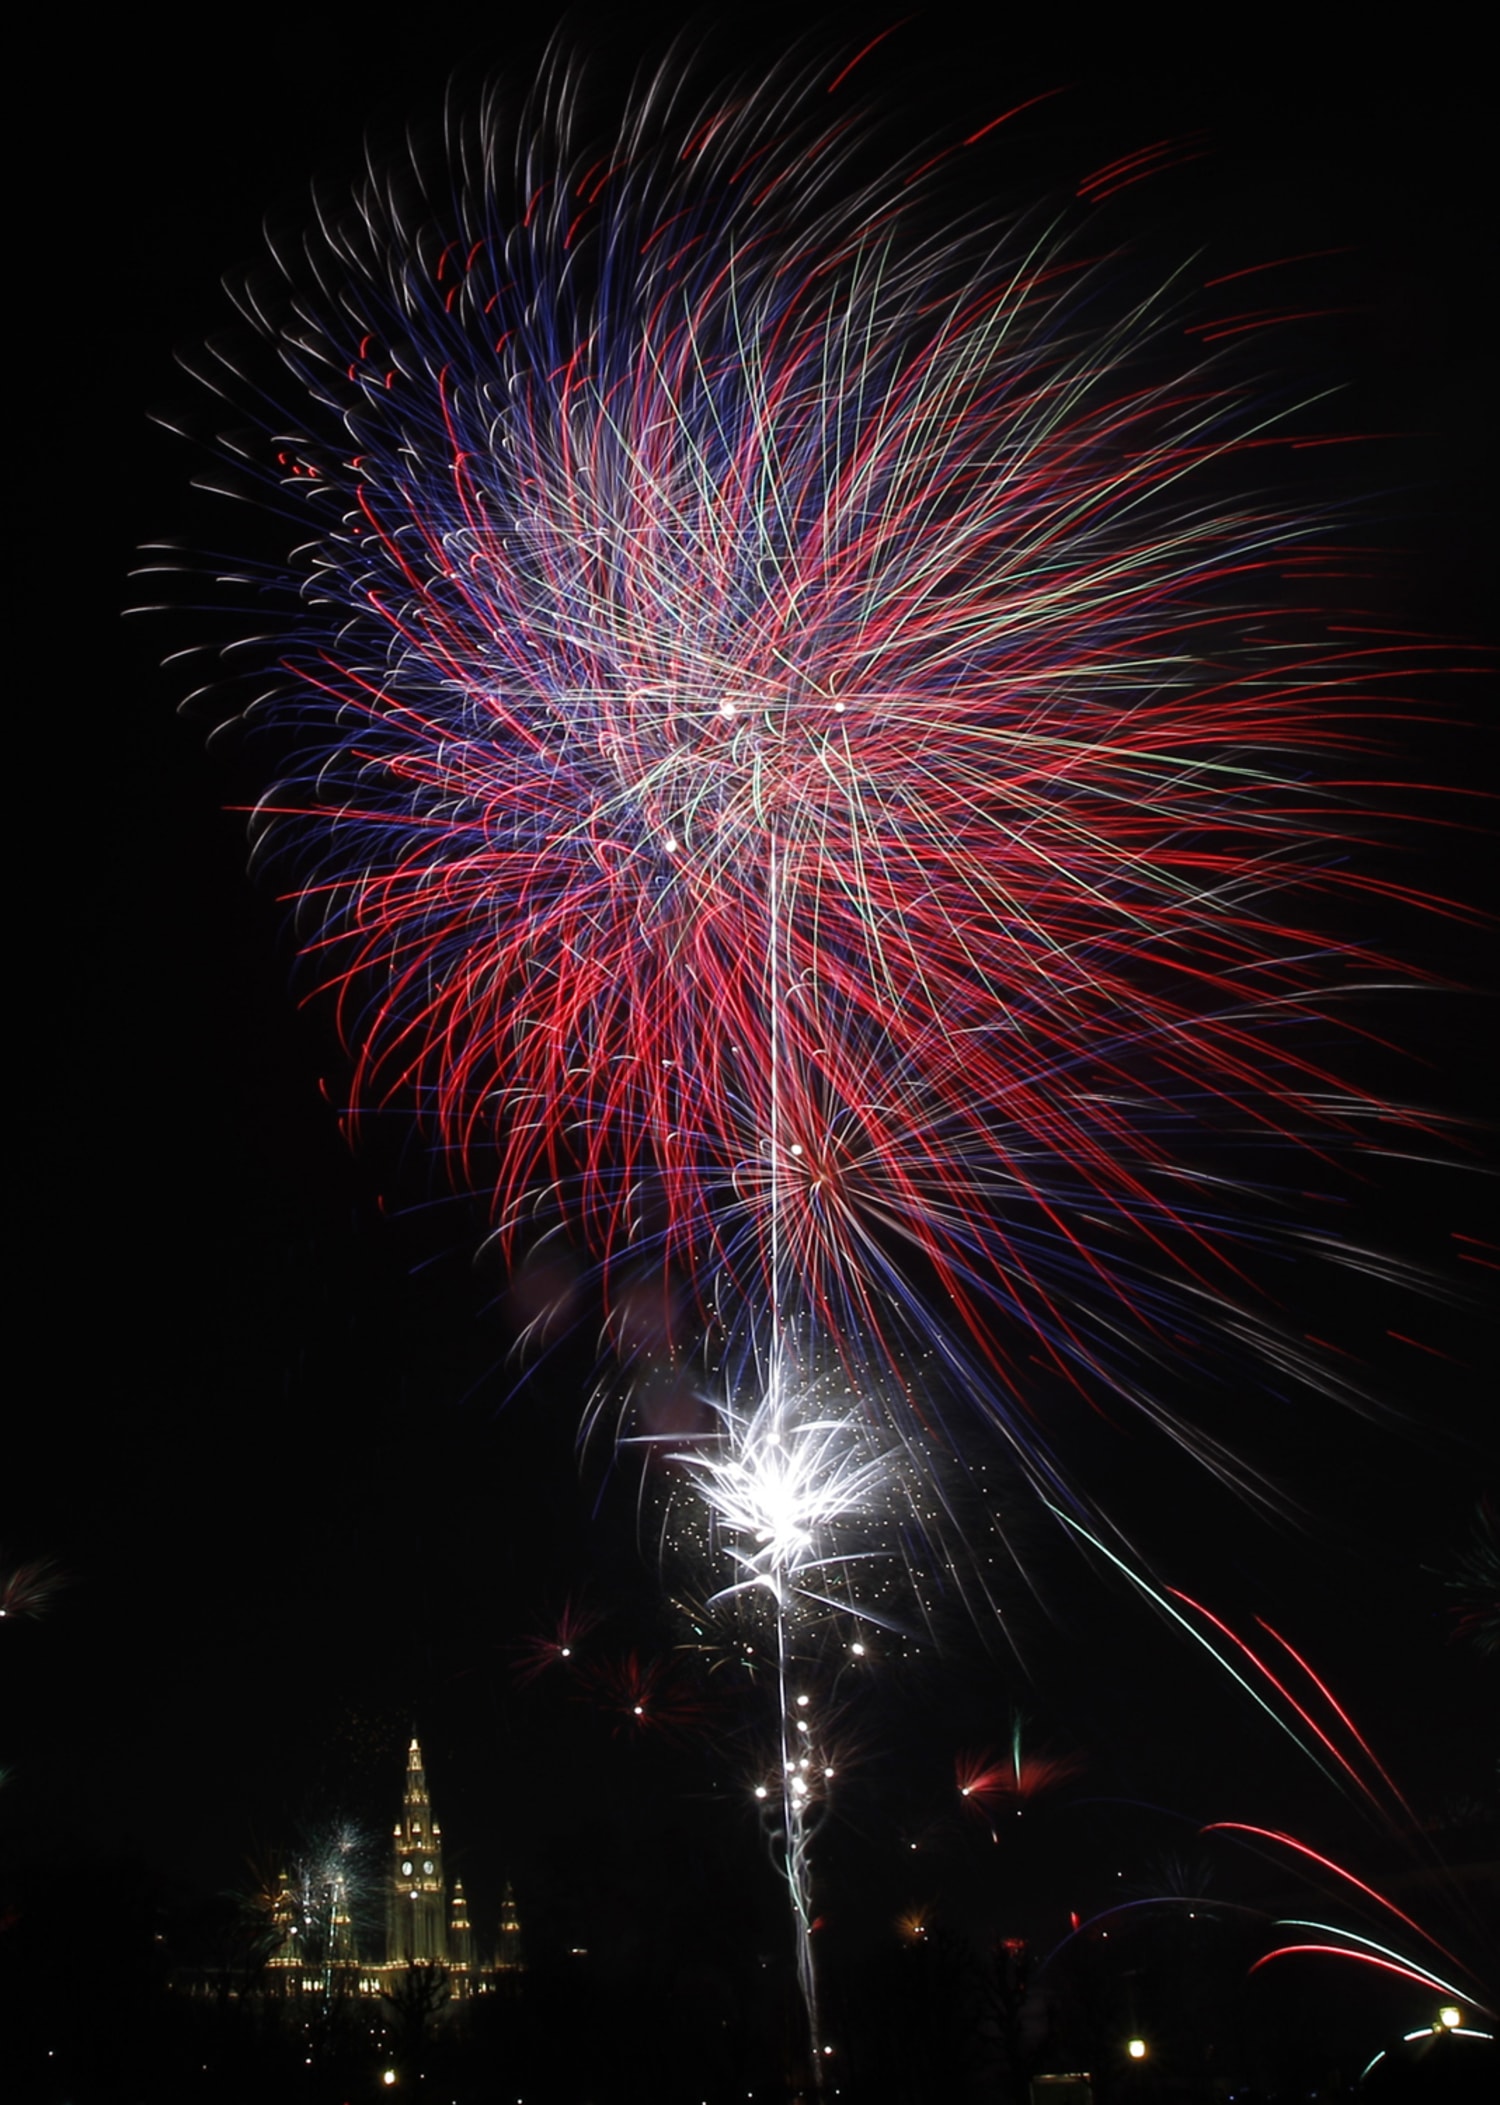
(427, 1865)
(406, 1867)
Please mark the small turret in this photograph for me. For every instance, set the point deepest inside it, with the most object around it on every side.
(460, 1934)
(511, 1956)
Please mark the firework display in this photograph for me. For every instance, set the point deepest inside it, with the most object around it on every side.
(810, 770)
(807, 763)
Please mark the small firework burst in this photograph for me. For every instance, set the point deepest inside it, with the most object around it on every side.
(560, 1646)
(28, 1589)
(647, 1696)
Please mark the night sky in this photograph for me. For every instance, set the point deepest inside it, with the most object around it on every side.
(266, 1418)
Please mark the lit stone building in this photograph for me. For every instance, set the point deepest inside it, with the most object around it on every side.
(324, 1940)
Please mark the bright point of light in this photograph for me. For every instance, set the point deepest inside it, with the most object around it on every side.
(760, 1790)
(388, 2077)
(858, 1651)
(1450, 2017)
(1136, 2049)
(802, 1702)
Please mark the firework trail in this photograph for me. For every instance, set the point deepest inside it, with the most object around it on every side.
(784, 1483)
(802, 776)
(1300, 1702)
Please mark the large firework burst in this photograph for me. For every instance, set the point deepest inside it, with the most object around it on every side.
(808, 766)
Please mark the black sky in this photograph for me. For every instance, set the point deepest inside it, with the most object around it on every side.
(258, 1408)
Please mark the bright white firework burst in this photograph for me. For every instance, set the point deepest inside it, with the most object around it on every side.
(782, 1486)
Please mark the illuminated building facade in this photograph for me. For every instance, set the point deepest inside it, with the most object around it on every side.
(325, 1951)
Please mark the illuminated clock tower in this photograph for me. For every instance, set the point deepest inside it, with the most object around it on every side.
(418, 1918)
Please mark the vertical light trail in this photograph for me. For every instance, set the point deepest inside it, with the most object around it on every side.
(786, 1481)
(795, 1865)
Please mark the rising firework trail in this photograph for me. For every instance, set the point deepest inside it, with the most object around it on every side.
(785, 1483)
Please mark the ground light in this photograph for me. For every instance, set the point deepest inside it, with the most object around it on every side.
(1136, 2049)
(1449, 2018)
